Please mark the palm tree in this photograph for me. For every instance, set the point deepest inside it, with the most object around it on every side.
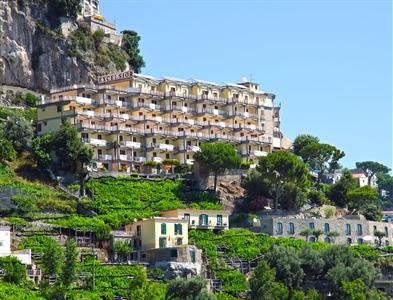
(306, 233)
(317, 233)
(333, 235)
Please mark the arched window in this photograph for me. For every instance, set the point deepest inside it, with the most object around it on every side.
(291, 228)
(279, 228)
(327, 239)
(311, 225)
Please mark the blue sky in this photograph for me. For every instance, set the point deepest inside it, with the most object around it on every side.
(328, 62)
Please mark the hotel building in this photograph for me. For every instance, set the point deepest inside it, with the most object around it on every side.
(131, 118)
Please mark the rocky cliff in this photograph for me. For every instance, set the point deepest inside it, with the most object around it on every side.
(34, 56)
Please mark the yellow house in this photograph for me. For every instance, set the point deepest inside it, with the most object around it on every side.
(158, 232)
(200, 218)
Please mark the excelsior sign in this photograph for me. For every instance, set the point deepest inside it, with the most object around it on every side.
(114, 77)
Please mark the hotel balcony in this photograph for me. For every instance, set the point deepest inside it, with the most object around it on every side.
(238, 127)
(205, 111)
(177, 108)
(188, 122)
(189, 148)
(97, 142)
(212, 99)
(130, 144)
(79, 100)
(163, 147)
(147, 92)
(181, 96)
(130, 158)
(105, 157)
(244, 115)
(148, 106)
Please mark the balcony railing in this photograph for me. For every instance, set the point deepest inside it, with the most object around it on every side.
(139, 159)
(190, 161)
(106, 157)
(96, 142)
(79, 100)
(164, 147)
(216, 112)
(176, 134)
(138, 91)
(130, 144)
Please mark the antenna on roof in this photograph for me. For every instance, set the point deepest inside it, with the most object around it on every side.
(244, 78)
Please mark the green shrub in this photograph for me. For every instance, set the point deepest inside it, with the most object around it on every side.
(37, 243)
(330, 211)
(31, 99)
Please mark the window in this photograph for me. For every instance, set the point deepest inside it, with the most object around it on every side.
(178, 229)
(279, 228)
(39, 127)
(163, 228)
(179, 241)
(326, 227)
(311, 225)
(162, 242)
(291, 228)
(327, 239)
(187, 217)
(348, 229)
(219, 220)
(359, 230)
(138, 230)
(386, 231)
(203, 219)
(58, 108)
(174, 253)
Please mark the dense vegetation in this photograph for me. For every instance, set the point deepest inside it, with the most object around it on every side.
(120, 200)
(291, 262)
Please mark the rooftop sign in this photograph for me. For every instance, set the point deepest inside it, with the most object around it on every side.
(114, 77)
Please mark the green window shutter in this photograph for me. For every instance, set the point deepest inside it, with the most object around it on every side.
(163, 228)
(180, 229)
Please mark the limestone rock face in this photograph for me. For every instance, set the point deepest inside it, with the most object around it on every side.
(32, 57)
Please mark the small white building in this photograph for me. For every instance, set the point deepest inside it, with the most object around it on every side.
(362, 179)
(5, 247)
